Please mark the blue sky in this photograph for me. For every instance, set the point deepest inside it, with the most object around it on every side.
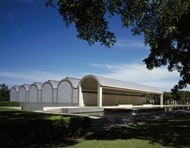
(35, 46)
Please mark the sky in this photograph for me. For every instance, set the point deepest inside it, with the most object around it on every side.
(36, 46)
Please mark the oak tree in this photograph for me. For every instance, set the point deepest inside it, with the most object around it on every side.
(163, 23)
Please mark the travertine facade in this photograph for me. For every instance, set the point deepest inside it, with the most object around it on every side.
(91, 90)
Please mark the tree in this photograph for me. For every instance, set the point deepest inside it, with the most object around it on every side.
(4, 93)
(164, 24)
(153, 98)
(182, 97)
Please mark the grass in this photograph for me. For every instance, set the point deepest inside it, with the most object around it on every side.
(170, 131)
(9, 114)
(7, 103)
(7, 109)
(28, 129)
(118, 143)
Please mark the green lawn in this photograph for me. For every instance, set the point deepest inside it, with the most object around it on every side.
(7, 109)
(10, 115)
(170, 131)
(28, 129)
(7, 103)
(118, 143)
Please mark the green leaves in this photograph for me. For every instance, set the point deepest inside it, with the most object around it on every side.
(4, 93)
(164, 24)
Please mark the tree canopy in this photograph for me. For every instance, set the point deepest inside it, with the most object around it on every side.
(164, 24)
(181, 97)
(4, 93)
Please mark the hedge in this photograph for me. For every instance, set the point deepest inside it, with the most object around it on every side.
(21, 131)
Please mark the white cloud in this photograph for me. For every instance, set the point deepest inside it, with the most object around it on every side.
(130, 44)
(105, 66)
(134, 72)
(27, 77)
(138, 73)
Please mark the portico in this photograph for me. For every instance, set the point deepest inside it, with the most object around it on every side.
(99, 91)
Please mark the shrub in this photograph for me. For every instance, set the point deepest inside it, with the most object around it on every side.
(78, 126)
(26, 129)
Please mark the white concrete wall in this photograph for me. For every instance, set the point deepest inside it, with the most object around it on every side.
(33, 94)
(23, 95)
(65, 92)
(13, 95)
(47, 93)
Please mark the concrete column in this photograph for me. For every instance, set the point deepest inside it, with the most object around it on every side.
(161, 99)
(99, 96)
(80, 96)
